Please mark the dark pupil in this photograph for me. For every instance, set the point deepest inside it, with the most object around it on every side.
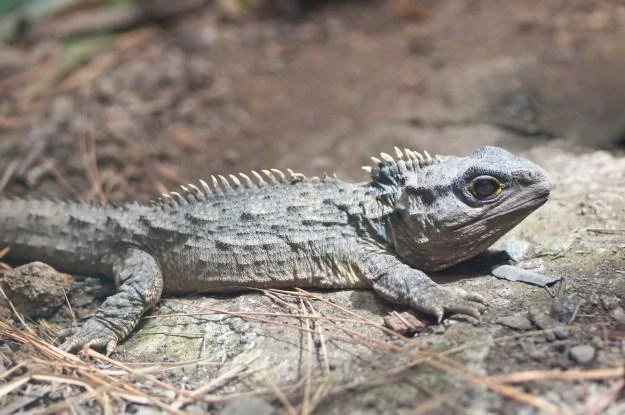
(485, 187)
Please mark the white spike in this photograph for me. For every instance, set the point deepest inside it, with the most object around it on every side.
(398, 152)
(368, 169)
(280, 174)
(269, 176)
(166, 196)
(259, 178)
(411, 154)
(178, 196)
(206, 187)
(401, 165)
(387, 157)
(419, 157)
(234, 179)
(198, 192)
(187, 193)
(247, 180)
(428, 158)
(225, 184)
(296, 177)
(376, 160)
(217, 188)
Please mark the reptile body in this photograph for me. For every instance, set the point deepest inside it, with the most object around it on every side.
(416, 214)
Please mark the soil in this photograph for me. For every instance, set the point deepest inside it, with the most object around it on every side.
(157, 106)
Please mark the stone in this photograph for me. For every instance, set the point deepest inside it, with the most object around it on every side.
(518, 322)
(582, 354)
(248, 406)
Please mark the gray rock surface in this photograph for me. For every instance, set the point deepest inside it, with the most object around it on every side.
(583, 354)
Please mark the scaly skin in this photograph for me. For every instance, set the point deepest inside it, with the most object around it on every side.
(416, 214)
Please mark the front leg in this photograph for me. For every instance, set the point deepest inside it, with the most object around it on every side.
(401, 284)
(140, 284)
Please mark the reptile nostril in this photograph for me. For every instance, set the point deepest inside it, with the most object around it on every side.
(528, 177)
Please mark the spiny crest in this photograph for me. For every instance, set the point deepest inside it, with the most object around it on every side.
(221, 185)
(387, 170)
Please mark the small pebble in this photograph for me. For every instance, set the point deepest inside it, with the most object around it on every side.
(438, 329)
(544, 322)
(618, 314)
(516, 249)
(562, 333)
(583, 354)
(518, 322)
(564, 308)
(245, 406)
(597, 342)
(610, 302)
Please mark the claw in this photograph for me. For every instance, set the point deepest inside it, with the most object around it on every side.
(110, 346)
(465, 309)
(477, 298)
(447, 300)
(439, 313)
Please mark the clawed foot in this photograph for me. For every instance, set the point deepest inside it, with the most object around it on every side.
(439, 300)
(92, 334)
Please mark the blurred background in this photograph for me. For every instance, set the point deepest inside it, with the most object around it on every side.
(123, 99)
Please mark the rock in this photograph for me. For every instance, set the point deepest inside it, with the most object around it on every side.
(564, 308)
(581, 100)
(609, 302)
(597, 342)
(518, 322)
(438, 329)
(36, 289)
(516, 249)
(582, 354)
(618, 314)
(562, 333)
(553, 328)
(144, 410)
(514, 273)
(248, 406)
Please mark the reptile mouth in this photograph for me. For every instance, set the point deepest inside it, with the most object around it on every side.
(527, 206)
(521, 209)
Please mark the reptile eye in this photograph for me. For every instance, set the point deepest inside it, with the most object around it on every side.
(485, 187)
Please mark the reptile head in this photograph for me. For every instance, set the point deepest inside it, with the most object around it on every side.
(450, 209)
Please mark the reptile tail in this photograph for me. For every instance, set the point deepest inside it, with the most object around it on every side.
(58, 233)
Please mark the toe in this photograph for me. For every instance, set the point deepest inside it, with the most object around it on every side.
(466, 309)
(475, 297)
(93, 335)
(110, 346)
(66, 333)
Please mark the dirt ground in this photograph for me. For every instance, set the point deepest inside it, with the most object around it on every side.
(127, 115)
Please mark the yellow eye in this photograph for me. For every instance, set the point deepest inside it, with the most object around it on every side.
(485, 187)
